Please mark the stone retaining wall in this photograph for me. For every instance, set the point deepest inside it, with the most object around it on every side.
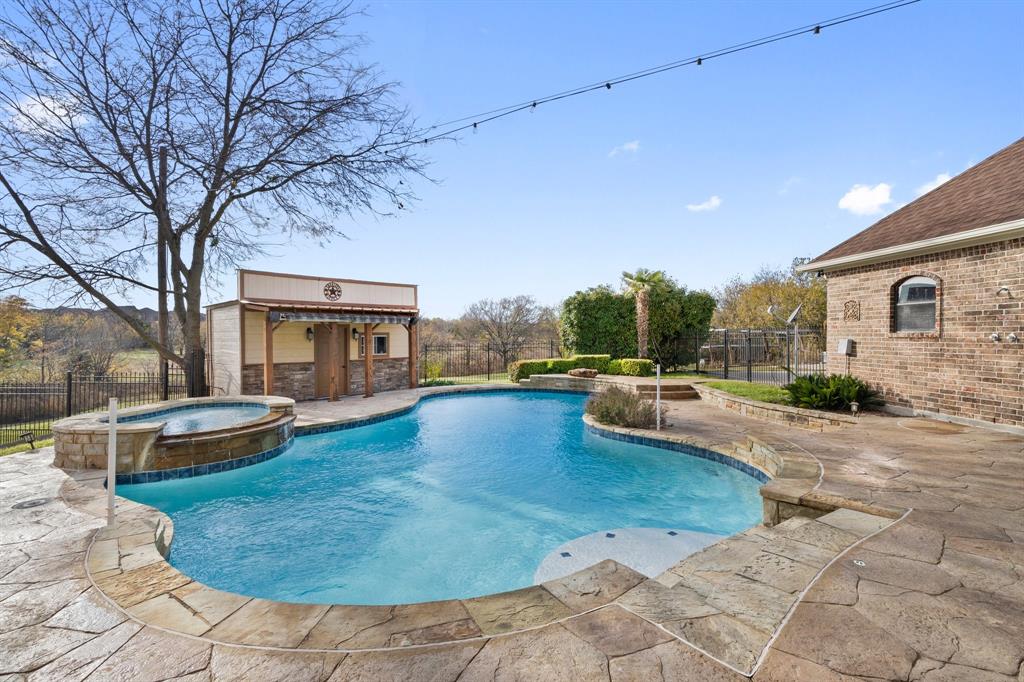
(815, 420)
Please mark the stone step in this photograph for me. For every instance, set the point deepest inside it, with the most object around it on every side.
(670, 393)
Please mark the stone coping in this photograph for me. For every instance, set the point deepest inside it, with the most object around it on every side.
(800, 417)
(127, 563)
(727, 601)
(675, 443)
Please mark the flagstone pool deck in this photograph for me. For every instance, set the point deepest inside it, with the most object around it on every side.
(931, 590)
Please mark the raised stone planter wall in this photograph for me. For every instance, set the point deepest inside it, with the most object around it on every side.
(815, 420)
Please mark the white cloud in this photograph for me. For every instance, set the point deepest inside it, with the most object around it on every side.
(789, 184)
(940, 179)
(32, 112)
(631, 147)
(711, 204)
(865, 200)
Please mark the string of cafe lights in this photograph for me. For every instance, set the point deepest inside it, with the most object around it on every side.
(455, 126)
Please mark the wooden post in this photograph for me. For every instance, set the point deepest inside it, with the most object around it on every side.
(368, 359)
(414, 354)
(268, 356)
(334, 361)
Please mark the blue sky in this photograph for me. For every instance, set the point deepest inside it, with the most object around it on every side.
(567, 197)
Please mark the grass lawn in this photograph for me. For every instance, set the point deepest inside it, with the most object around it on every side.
(744, 389)
(683, 375)
(23, 447)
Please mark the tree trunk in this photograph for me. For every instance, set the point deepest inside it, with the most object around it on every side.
(641, 324)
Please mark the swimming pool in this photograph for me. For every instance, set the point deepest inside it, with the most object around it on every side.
(461, 497)
(203, 417)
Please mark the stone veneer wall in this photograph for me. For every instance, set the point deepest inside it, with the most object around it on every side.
(959, 370)
(389, 374)
(815, 420)
(295, 380)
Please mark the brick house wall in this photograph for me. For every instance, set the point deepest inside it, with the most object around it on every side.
(957, 370)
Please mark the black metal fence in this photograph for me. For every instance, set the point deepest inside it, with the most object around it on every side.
(764, 356)
(471, 363)
(28, 409)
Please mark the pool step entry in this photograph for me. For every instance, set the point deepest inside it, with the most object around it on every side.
(649, 551)
(668, 391)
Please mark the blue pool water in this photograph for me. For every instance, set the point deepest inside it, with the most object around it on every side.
(206, 418)
(463, 496)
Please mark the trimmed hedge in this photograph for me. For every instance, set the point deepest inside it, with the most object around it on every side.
(632, 367)
(521, 369)
(598, 362)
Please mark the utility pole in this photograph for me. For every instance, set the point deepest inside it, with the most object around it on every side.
(163, 223)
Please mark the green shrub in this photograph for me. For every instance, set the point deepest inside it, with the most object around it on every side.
(561, 365)
(619, 407)
(632, 367)
(433, 368)
(603, 320)
(598, 362)
(522, 369)
(436, 382)
(832, 392)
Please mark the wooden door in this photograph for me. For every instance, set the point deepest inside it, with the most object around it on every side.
(322, 359)
(325, 362)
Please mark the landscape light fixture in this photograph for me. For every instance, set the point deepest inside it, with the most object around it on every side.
(30, 438)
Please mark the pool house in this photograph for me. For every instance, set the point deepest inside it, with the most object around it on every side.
(307, 337)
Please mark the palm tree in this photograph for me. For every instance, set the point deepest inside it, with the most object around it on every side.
(639, 284)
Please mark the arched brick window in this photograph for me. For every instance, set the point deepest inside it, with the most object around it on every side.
(915, 305)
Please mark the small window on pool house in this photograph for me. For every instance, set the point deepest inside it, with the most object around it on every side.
(380, 344)
(915, 305)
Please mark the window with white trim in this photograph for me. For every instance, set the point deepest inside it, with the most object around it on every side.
(915, 305)
(380, 344)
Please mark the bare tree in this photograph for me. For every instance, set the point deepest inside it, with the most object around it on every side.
(506, 324)
(270, 124)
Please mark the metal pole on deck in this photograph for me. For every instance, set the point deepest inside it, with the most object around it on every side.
(111, 460)
(657, 396)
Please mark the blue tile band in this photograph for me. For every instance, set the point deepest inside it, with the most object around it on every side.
(203, 469)
(684, 448)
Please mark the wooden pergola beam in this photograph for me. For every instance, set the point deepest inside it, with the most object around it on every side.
(368, 359)
(413, 355)
(268, 355)
(333, 395)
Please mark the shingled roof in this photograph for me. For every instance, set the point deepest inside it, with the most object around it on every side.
(990, 193)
